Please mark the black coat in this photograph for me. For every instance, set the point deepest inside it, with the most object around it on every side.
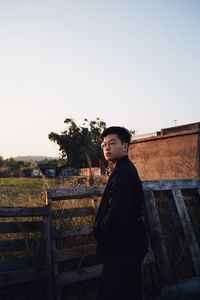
(119, 226)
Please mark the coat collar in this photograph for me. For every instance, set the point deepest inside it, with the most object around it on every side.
(118, 163)
(121, 159)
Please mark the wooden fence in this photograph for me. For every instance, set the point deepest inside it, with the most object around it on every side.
(25, 258)
(171, 268)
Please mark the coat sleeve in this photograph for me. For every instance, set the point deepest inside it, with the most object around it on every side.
(117, 216)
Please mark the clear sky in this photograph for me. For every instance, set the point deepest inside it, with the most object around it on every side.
(131, 63)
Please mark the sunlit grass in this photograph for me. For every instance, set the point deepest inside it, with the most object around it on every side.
(31, 192)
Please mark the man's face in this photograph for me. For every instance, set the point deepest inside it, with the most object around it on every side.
(113, 148)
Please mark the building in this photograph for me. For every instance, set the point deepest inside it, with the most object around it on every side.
(36, 173)
(86, 171)
(48, 170)
(68, 171)
(172, 153)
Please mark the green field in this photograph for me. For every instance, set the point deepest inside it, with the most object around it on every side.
(29, 191)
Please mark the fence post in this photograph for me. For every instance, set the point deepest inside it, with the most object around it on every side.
(188, 229)
(49, 262)
(157, 238)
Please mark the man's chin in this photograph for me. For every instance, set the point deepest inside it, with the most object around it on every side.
(110, 159)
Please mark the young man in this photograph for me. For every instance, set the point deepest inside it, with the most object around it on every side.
(119, 228)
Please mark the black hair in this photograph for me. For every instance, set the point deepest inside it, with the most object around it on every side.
(122, 133)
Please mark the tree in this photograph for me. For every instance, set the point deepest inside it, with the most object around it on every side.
(1, 161)
(80, 145)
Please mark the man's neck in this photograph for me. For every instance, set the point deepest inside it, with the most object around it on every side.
(113, 163)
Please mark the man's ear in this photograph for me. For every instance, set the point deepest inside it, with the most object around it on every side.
(125, 146)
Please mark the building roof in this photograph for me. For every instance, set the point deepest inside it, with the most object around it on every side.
(168, 132)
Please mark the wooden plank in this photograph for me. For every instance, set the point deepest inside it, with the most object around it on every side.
(10, 227)
(74, 193)
(49, 261)
(86, 250)
(74, 231)
(184, 288)
(188, 229)
(14, 263)
(58, 290)
(21, 244)
(24, 211)
(25, 275)
(74, 252)
(157, 185)
(73, 212)
(156, 237)
(78, 275)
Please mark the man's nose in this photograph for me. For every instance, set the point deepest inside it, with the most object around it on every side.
(107, 146)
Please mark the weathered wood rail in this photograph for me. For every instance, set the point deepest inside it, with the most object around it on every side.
(182, 231)
(169, 285)
(172, 211)
(23, 263)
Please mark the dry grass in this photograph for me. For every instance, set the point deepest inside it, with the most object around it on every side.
(31, 192)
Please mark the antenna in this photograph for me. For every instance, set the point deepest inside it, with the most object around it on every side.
(175, 121)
